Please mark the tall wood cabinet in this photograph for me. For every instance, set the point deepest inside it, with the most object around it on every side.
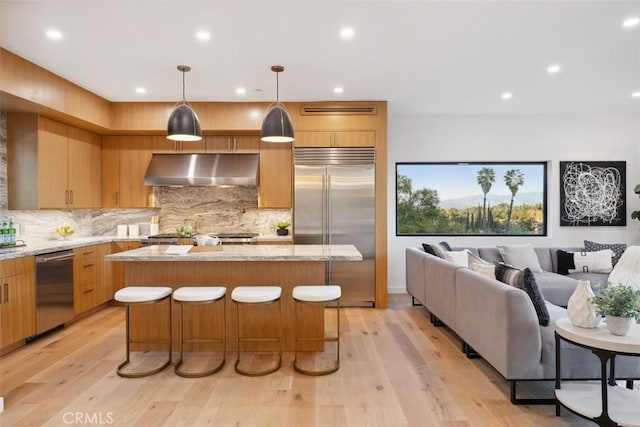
(276, 175)
(124, 162)
(66, 161)
(17, 300)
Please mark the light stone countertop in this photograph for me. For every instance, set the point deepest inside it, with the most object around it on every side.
(246, 253)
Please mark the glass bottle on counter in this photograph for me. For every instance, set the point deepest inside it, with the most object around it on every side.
(4, 233)
(12, 233)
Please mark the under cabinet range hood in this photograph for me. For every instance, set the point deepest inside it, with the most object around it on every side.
(202, 169)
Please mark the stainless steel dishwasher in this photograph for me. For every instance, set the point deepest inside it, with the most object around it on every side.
(54, 289)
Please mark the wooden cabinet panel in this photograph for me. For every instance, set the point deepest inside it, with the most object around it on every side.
(66, 160)
(276, 175)
(335, 139)
(17, 300)
(53, 164)
(110, 171)
(354, 139)
(312, 139)
(239, 144)
(124, 162)
(87, 276)
(163, 145)
(105, 292)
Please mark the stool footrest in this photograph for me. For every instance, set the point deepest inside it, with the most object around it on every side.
(141, 373)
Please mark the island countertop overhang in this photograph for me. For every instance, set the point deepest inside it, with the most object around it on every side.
(244, 253)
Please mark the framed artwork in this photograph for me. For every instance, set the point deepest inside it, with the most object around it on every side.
(474, 198)
(593, 194)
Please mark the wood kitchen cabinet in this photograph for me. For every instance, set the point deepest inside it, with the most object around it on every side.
(66, 161)
(276, 175)
(163, 145)
(365, 138)
(124, 162)
(239, 144)
(17, 301)
(87, 278)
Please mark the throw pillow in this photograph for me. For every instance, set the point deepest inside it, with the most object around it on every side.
(475, 258)
(445, 245)
(488, 270)
(525, 280)
(460, 258)
(520, 256)
(617, 248)
(593, 262)
(435, 250)
(565, 262)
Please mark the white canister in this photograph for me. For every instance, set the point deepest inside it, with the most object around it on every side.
(134, 230)
(154, 229)
(122, 230)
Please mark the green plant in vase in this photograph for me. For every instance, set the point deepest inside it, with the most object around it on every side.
(621, 305)
(282, 228)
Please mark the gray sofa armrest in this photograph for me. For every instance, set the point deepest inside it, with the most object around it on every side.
(499, 322)
(440, 289)
(414, 278)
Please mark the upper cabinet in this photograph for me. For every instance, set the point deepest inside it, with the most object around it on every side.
(276, 175)
(239, 144)
(124, 162)
(67, 161)
(163, 145)
(365, 138)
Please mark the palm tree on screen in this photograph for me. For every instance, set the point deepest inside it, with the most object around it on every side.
(513, 179)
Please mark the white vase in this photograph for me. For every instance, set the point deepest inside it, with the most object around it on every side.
(580, 308)
(619, 325)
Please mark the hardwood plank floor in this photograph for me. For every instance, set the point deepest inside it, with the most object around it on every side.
(396, 370)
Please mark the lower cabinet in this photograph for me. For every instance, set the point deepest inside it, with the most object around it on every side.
(91, 277)
(17, 300)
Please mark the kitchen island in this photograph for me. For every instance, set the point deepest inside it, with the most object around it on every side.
(231, 266)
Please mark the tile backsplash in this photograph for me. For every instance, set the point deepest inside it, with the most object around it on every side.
(214, 209)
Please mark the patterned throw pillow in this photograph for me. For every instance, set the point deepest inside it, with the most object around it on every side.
(525, 280)
(617, 248)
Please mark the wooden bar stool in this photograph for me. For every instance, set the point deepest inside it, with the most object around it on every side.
(198, 295)
(138, 295)
(320, 294)
(250, 296)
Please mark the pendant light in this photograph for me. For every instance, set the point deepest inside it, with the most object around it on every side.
(277, 126)
(183, 122)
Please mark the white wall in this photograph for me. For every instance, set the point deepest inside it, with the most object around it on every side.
(551, 138)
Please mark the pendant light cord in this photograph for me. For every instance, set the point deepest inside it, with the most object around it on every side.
(184, 102)
(277, 89)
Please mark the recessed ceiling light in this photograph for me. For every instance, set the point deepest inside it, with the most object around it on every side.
(636, 94)
(347, 33)
(338, 89)
(631, 22)
(506, 95)
(203, 35)
(54, 34)
(141, 90)
(241, 91)
(553, 69)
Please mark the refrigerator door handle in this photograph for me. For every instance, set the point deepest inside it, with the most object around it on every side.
(328, 212)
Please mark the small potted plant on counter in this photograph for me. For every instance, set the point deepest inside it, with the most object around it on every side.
(186, 233)
(282, 228)
(621, 305)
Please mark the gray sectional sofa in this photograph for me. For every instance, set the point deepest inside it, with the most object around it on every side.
(498, 322)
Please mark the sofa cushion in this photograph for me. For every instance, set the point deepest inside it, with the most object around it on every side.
(556, 288)
(617, 248)
(484, 268)
(525, 280)
(520, 256)
(435, 250)
(460, 258)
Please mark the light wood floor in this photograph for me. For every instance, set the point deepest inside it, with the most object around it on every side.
(397, 370)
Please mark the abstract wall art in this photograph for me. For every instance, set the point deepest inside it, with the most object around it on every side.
(593, 194)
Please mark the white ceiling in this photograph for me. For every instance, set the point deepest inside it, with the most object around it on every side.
(423, 57)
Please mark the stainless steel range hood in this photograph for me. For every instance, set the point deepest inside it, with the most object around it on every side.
(202, 169)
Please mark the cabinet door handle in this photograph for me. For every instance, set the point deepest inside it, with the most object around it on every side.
(71, 193)
(235, 144)
(66, 197)
(87, 265)
(229, 144)
(86, 291)
(117, 198)
(6, 292)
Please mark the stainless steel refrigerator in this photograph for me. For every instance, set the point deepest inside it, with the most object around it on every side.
(335, 204)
